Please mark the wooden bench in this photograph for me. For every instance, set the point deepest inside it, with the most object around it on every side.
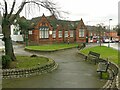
(93, 56)
(102, 67)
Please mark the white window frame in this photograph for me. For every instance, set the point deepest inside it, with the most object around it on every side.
(44, 33)
(66, 33)
(71, 33)
(81, 33)
(30, 32)
(54, 34)
(60, 34)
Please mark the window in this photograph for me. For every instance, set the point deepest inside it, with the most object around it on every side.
(54, 34)
(44, 32)
(71, 33)
(30, 32)
(81, 33)
(66, 33)
(60, 34)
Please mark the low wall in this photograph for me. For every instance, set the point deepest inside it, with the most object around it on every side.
(112, 83)
(17, 73)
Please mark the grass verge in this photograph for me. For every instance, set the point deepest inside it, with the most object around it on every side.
(28, 62)
(104, 52)
(51, 47)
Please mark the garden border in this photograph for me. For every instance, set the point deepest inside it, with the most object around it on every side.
(38, 70)
(48, 50)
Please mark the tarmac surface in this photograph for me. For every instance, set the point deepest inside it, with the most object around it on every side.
(73, 72)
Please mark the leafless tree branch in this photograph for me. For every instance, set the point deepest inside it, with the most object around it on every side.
(6, 11)
(12, 9)
(49, 5)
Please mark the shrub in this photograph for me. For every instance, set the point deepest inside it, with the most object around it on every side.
(6, 61)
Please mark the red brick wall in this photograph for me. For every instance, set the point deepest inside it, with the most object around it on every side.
(81, 39)
(36, 38)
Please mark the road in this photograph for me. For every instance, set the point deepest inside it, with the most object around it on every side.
(73, 72)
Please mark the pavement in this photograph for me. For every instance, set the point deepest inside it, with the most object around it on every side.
(73, 71)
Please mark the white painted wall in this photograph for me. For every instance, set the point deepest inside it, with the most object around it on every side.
(17, 37)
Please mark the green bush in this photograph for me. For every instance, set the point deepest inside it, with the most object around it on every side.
(6, 61)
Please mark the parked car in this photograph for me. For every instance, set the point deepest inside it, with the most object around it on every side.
(106, 40)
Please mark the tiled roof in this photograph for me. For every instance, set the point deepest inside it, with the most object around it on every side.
(55, 22)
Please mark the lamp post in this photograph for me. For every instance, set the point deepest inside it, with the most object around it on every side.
(99, 27)
(109, 33)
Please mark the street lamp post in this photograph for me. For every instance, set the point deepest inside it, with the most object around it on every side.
(109, 33)
(99, 33)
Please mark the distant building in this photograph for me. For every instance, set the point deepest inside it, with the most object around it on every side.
(15, 32)
(51, 30)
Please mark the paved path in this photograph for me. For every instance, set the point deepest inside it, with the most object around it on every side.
(73, 72)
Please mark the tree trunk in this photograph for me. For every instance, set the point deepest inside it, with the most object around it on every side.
(7, 41)
(9, 48)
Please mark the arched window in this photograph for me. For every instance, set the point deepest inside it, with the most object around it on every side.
(44, 32)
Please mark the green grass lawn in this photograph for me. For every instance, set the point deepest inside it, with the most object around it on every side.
(51, 47)
(28, 62)
(104, 52)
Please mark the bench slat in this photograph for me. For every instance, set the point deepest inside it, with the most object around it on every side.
(102, 67)
(93, 56)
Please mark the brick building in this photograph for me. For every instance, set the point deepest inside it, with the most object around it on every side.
(51, 30)
(113, 35)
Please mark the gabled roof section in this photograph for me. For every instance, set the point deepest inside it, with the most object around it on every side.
(81, 24)
(43, 18)
(52, 17)
(54, 22)
(35, 20)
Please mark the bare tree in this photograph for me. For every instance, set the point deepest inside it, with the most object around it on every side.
(9, 16)
(100, 29)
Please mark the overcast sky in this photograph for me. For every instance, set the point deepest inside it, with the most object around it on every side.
(92, 11)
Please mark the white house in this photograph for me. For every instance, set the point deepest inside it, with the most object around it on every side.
(15, 33)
